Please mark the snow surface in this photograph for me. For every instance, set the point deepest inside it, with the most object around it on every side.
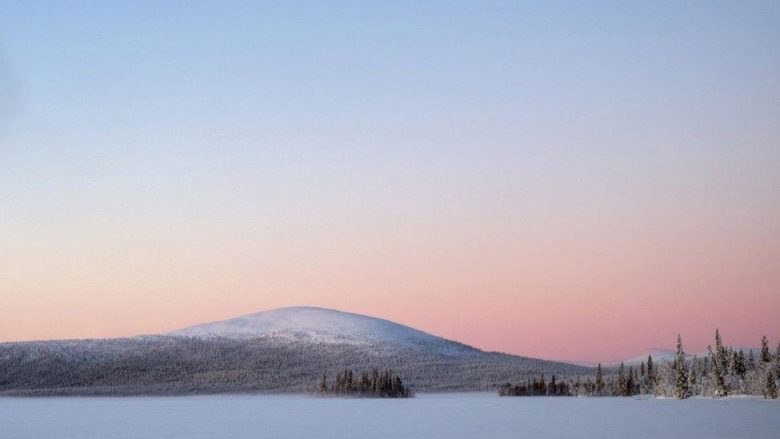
(480, 415)
(311, 324)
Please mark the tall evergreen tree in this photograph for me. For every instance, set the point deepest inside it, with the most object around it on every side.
(552, 388)
(733, 358)
(765, 357)
(717, 374)
(621, 381)
(740, 367)
(650, 372)
(770, 389)
(681, 390)
(721, 354)
(630, 381)
(777, 361)
(599, 380)
(693, 377)
(324, 383)
(717, 367)
(751, 363)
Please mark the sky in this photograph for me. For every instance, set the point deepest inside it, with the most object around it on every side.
(553, 179)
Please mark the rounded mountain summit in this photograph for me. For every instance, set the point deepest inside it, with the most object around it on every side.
(319, 325)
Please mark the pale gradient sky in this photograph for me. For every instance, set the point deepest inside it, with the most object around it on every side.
(565, 181)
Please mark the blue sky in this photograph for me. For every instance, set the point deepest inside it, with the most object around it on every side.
(271, 136)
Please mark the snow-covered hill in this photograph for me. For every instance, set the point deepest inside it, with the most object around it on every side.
(282, 350)
(305, 323)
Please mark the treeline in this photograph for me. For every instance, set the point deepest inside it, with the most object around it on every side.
(372, 385)
(534, 387)
(723, 371)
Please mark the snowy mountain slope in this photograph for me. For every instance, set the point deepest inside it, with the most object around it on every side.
(282, 350)
(311, 324)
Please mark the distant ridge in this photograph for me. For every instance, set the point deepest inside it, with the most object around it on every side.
(668, 355)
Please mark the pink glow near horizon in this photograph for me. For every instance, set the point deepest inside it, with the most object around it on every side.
(567, 181)
(595, 293)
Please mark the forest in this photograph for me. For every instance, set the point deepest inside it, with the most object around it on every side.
(723, 371)
(371, 385)
(163, 365)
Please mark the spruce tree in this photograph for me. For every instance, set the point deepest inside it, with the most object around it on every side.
(338, 387)
(720, 383)
(770, 389)
(733, 359)
(681, 390)
(777, 360)
(621, 381)
(765, 357)
(721, 354)
(693, 375)
(552, 389)
(751, 363)
(324, 383)
(650, 371)
(599, 380)
(637, 383)
(740, 367)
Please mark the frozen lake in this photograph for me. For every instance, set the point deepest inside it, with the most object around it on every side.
(470, 415)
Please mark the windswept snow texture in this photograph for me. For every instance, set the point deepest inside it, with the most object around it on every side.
(480, 415)
(318, 325)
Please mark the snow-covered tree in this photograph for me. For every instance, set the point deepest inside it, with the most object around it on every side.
(693, 376)
(739, 364)
(765, 357)
(751, 363)
(650, 379)
(720, 353)
(770, 388)
(681, 390)
(717, 362)
(777, 361)
(599, 380)
(664, 384)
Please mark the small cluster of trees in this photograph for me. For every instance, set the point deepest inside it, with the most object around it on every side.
(536, 387)
(374, 384)
(723, 371)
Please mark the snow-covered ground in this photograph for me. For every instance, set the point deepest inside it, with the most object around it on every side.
(480, 415)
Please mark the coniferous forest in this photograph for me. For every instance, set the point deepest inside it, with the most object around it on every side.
(370, 385)
(723, 371)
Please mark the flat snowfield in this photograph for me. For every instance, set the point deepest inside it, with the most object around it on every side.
(463, 415)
